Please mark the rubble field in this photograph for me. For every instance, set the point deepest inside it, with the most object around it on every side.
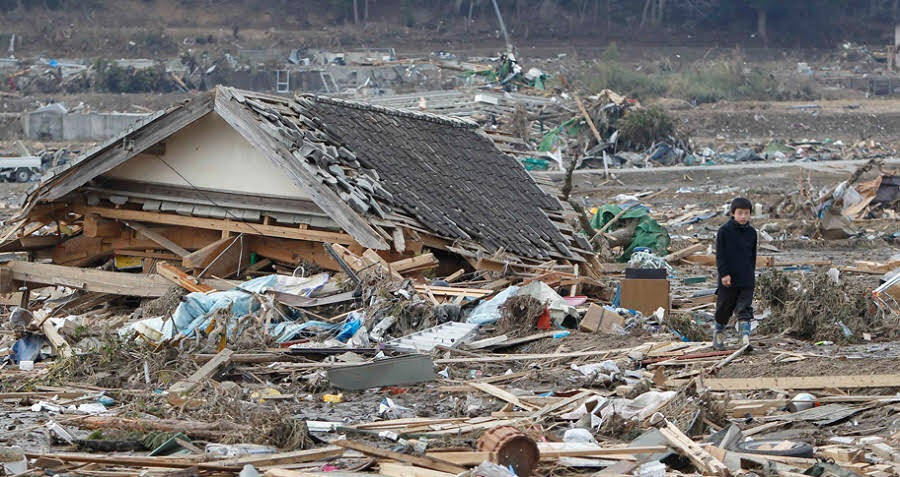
(512, 277)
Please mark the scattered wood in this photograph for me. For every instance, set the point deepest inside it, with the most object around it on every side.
(421, 461)
(284, 458)
(502, 395)
(134, 461)
(114, 283)
(182, 279)
(762, 261)
(676, 256)
(418, 263)
(704, 461)
(150, 234)
(203, 374)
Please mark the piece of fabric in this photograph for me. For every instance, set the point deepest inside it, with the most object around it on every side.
(736, 254)
(734, 300)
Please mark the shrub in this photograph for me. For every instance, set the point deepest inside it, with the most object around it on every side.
(640, 128)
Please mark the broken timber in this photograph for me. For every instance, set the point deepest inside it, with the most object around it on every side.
(803, 382)
(426, 461)
(115, 283)
(203, 374)
(217, 224)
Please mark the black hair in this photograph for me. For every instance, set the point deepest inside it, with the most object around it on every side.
(740, 203)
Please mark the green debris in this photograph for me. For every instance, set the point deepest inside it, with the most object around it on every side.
(647, 233)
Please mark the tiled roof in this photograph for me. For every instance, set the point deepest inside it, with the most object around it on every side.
(446, 175)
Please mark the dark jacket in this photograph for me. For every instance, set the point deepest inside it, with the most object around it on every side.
(736, 253)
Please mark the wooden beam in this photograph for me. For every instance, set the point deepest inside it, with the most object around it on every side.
(676, 256)
(115, 283)
(96, 226)
(396, 469)
(327, 199)
(451, 291)
(293, 252)
(150, 234)
(421, 461)
(804, 382)
(217, 224)
(399, 240)
(202, 257)
(425, 261)
(704, 461)
(205, 372)
(178, 277)
(57, 342)
(133, 461)
(234, 257)
(284, 458)
(502, 395)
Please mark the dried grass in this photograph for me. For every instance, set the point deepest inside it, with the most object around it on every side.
(814, 306)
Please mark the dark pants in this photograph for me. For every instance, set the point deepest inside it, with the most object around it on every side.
(734, 300)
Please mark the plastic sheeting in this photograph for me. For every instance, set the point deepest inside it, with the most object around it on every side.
(195, 312)
(648, 233)
(196, 309)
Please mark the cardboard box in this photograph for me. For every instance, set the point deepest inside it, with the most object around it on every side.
(598, 318)
(646, 295)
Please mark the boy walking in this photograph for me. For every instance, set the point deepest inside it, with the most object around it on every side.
(736, 263)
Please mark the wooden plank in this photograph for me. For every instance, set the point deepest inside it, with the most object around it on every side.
(294, 251)
(284, 458)
(96, 226)
(396, 469)
(450, 291)
(114, 283)
(133, 461)
(467, 458)
(675, 256)
(560, 404)
(804, 382)
(176, 276)
(693, 451)
(601, 451)
(502, 395)
(59, 344)
(710, 260)
(150, 234)
(137, 253)
(373, 258)
(421, 461)
(455, 275)
(328, 200)
(117, 152)
(202, 257)
(204, 373)
(399, 240)
(425, 261)
(217, 224)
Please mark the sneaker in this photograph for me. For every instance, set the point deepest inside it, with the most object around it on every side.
(719, 337)
(745, 333)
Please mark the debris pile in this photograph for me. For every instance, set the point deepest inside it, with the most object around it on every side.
(382, 304)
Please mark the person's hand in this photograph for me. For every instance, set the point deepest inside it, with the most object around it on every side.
(726, 280)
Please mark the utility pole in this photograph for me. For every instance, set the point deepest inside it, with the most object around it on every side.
(509, 48)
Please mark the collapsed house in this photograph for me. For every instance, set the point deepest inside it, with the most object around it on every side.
(233, 177)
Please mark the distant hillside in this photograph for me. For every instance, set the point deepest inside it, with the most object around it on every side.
(136, 28)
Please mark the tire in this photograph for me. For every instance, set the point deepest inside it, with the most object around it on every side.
(23, 175)
(797, 449)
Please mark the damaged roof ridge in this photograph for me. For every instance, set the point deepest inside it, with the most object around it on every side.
(431, 117)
